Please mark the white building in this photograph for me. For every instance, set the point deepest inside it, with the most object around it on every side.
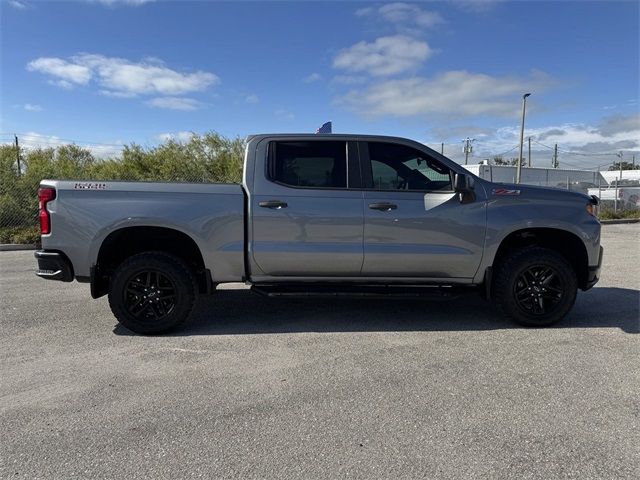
(545, 177)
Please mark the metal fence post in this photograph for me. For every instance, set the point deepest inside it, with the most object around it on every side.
(615, 197)
(599, 196)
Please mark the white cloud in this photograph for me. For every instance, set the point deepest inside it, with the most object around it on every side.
(17, 4)
(182, 136)
(610, 126)
(119, 77)
(174, 103)
(476, 6)
(314, 77)
(110, 3)
(30, 107)
(149, 76)
(384, 56)
(363, 12)
(252, 98)
(450, 94)
(285, 114)
(404, 13)
(404, 16)
(580, 145)
(349, 79)
(65, 73)
(35, 140)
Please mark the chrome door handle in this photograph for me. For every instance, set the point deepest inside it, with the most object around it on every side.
(383, 207)
(274, 204)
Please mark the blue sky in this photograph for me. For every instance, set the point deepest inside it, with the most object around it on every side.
(112, 72)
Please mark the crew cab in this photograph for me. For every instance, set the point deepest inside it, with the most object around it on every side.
(319, 214)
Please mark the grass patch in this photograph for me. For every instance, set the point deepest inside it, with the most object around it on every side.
(24, 235)
(608, 214)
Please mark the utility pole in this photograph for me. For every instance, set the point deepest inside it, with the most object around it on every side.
(442, 148)
(529, 151)
(519, 166)
(555, 156)
(467, 148)
(18, 156)
(619, 154)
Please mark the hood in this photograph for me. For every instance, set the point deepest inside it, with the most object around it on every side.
(533, 192)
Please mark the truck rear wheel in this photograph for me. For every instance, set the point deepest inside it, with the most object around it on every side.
(152, 292)
(535, 286)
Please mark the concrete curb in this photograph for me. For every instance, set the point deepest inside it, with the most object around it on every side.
(620, 220)
(12, 247)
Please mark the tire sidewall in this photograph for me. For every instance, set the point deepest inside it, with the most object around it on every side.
(513, 268)
(177, 273)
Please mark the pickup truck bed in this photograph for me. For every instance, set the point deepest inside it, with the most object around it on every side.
(85, 214)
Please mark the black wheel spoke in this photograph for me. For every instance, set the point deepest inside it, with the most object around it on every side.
(150, 295)
(538, 289)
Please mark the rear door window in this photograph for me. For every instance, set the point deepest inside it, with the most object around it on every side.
(309, 164)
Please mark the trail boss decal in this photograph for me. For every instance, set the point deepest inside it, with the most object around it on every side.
(90, 186)
(504, 191)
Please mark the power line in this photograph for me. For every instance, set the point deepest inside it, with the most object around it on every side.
(504, 153)
(575, 153)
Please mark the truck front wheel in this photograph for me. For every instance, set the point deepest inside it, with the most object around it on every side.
(152, 292)
(535, 286)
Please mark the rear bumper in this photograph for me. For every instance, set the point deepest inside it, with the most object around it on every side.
(53, 266)
(593, 274)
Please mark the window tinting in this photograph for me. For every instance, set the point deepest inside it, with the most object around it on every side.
(396, 167)
(319, 164)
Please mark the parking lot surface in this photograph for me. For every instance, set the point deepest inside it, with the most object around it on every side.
(265, 388)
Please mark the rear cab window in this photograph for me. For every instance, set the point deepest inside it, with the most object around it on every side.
(308, 164)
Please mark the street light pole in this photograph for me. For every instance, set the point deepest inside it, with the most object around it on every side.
(519, 166)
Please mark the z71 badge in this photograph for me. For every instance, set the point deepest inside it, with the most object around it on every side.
(90, 186)
(504, 191)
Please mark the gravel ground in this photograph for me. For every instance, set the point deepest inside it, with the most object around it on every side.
(260, 388)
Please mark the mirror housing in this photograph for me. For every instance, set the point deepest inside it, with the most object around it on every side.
(463, 185)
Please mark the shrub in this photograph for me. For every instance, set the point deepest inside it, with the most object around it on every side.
(207, 158)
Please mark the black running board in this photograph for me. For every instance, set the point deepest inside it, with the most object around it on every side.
(351, 291)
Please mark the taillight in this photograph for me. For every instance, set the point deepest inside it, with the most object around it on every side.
(45, 195)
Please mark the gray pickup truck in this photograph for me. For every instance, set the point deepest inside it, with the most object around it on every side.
(321, 214)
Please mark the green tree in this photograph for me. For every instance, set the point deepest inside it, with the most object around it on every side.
(625, 166)
(499, 160)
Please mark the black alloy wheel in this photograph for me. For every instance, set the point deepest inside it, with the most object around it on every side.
(150, 295)
(538, 290)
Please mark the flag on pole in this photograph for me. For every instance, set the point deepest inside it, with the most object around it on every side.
(325, 128)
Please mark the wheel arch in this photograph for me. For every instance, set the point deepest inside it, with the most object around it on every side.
(124, 242)
(564, 242)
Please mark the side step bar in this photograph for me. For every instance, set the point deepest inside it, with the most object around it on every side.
(350, 291)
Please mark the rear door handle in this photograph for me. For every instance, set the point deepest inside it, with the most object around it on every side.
(383, 207)
(274, 204)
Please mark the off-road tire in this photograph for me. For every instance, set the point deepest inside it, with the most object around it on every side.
(508, 279)
(171, 274)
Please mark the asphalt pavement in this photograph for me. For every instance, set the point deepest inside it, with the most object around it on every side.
(345, 388)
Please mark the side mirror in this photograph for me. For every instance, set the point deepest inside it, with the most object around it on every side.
(462, 183)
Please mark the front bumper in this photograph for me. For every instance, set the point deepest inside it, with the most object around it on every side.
(53, 266)
(593, 274)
